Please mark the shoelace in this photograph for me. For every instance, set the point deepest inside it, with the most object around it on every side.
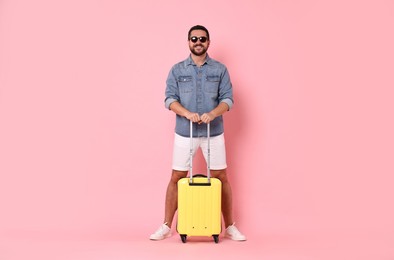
(234, 229)
(232, 226)
(161, 230)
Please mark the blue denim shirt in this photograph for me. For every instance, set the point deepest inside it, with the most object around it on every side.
(199, 90)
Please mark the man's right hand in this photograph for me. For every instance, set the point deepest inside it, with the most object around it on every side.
(194, 117)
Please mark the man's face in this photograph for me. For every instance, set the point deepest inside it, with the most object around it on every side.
(198, 42)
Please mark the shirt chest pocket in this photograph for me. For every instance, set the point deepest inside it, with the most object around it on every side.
(185, 84)
(212, 84)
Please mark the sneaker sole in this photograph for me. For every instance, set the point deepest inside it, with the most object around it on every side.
(236, 239)
(160, 238)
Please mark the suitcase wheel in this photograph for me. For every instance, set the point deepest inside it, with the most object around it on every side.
(216, 238)
(183, 238)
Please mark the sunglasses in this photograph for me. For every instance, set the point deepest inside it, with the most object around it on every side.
(201, 39)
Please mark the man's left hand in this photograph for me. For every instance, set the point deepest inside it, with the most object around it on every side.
(207, 117)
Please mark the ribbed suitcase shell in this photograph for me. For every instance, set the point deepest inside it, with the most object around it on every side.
(199, 207)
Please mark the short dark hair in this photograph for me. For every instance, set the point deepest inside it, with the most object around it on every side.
(197, 27)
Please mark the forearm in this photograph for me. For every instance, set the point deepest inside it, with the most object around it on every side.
(178, 109)
(217, 111)
(220, 109)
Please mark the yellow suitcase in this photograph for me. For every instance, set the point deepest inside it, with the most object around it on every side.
(199, 203)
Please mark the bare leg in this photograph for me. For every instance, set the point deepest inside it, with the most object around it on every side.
(227, 208)
(171, 204)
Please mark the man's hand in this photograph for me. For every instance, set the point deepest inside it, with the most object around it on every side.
(207, 117)
(194, 117)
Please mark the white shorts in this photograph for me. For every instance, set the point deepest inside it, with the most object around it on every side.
(181, 153)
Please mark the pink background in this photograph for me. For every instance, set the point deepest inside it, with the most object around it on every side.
(86, 143)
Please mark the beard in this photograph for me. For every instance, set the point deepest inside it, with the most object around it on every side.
(198, 53)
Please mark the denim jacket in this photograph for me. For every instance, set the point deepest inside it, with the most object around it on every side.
(199, 90)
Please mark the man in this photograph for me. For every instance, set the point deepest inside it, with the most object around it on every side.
(198, 89)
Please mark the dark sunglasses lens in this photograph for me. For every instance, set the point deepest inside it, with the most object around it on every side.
(194, 39)
(202, 39)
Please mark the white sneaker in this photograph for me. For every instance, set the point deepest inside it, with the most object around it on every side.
(233, 233)
(163, 232)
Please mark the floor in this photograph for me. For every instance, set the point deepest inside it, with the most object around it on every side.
(18, 245)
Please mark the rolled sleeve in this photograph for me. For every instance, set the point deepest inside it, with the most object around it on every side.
(172, 92)
(226, 90)
(229, 102)
(169, 101)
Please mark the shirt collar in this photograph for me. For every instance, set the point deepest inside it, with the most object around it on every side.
(189, 60)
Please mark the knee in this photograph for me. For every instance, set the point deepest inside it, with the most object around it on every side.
(177, 175)
(220, 174)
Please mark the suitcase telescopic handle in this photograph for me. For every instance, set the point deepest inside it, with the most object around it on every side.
(191, 153)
